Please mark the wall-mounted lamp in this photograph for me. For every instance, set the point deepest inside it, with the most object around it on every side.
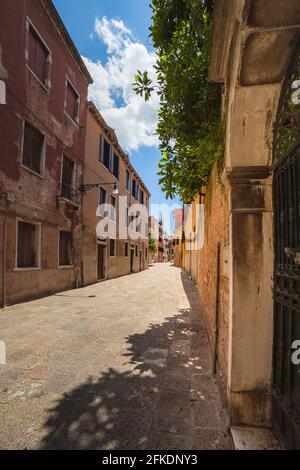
(85, 188)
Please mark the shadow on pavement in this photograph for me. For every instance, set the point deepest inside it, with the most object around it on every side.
(115, 410)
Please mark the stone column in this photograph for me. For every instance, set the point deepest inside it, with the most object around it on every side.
(251, 318)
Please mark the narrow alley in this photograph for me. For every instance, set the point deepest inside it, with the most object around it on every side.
(123, 364)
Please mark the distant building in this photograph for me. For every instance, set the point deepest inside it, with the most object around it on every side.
(178, 218)
(106, 164)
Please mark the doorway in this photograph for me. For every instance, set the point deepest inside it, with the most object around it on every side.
(141, 261)
(131, 259)
(101, 262)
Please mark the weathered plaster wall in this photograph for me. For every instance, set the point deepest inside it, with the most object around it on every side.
(32, 197)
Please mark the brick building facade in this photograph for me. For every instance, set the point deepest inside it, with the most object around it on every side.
(42, 135)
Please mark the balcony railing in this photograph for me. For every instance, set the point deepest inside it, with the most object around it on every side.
(70, 194)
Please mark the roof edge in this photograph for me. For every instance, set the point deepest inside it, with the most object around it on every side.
(68, 40)
(113, 137)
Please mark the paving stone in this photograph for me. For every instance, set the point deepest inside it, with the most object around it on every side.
(206, 415)
(211, 440)
(203, 387)
(165, 441)
(94, 369)
(173, 414)
(180, 348)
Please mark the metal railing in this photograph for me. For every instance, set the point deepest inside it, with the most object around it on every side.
(69, 193)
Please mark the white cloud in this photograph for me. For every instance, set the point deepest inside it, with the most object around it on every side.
(134, 120)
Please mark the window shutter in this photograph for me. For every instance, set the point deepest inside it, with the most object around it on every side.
(26, 245)
(116, 168)
(101, 149)
(72, 103)
(37, 56)
(67, 178)
(32, 148)
(111, 159)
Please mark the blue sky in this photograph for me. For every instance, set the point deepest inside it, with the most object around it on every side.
(113, 38)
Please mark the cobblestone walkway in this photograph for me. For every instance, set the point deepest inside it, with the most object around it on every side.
(120, 365)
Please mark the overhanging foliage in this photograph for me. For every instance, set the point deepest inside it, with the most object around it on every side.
(189, 127)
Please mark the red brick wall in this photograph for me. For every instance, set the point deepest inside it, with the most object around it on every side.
(216, 230)
(33, 197)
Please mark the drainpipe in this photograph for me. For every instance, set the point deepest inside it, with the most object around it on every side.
(215, 355)
(4, 196)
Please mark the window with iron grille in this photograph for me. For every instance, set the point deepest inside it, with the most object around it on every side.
(38, 55)
(72, 102)
(67, 179)
(28, 245)
(116, 166)
(33, 145)
(65, 248)
(112, 248)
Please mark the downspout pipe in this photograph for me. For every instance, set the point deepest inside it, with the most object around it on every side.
(4, 196)
(217, 308)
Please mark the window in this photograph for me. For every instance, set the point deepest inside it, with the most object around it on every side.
(72, 102)
(105, 158)
(33, 147)
(126, 250)
(136, 251)
(127, 180)
(133, 192)
(142, 197)
(113, 209)
(137, 192)
(102, 202)
(38, 56)
(112, 248)
(116, 166)
(102, 196)
(146, 254)
(67, 178)
(65, 248)
(28, 245)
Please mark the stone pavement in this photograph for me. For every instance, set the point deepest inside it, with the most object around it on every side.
(124, 364)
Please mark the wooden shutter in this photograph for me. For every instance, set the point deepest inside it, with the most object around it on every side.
(65, 248)
(106, 159)
(32, 148)
(37, 56)
(101, 149)
(102, 196)
(67, 178)
(72, 104)
(26, 245)
(116, 168)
